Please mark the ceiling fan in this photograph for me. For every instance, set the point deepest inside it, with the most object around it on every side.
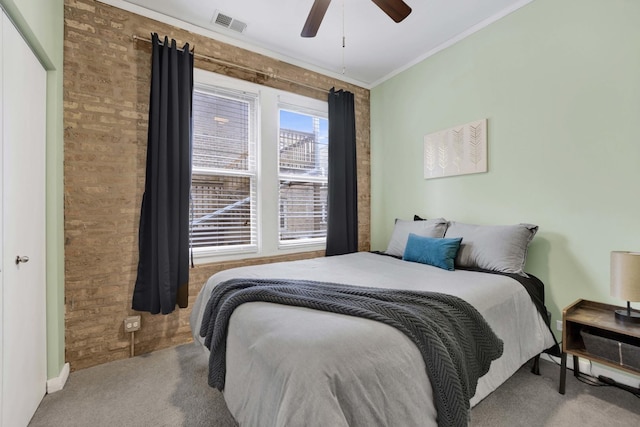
(396, 9)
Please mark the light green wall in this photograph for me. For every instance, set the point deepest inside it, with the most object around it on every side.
(559, 81)
(41, 22)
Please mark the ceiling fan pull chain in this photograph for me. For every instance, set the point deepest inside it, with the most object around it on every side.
(344, 39)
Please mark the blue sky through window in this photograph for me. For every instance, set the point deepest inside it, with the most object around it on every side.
(303, 123)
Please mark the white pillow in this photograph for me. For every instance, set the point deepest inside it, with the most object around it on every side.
(402, 229)
(493, 247)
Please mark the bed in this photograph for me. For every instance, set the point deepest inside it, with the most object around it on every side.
(288, 365)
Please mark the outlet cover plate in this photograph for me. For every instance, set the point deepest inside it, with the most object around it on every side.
(131, 323)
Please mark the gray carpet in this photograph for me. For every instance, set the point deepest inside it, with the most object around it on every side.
(169, 388)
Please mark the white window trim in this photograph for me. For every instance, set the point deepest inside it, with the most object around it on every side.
(270, 101)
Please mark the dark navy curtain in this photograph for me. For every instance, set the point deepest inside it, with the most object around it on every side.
(163, 265)
(342, 222)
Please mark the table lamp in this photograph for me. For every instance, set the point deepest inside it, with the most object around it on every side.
(625, 282)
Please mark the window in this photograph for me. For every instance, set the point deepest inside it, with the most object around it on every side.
(223, 182)
(259, 181)
(302, 175)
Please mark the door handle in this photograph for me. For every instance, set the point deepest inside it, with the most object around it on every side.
(21, 259)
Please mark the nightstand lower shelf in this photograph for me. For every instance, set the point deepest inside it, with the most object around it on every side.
(591, 331)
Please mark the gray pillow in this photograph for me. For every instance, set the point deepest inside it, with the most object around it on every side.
(492, 247)
(402, 229)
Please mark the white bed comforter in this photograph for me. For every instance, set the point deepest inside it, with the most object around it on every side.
(293, 366)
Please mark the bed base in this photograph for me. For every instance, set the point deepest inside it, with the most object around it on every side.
(535, 369)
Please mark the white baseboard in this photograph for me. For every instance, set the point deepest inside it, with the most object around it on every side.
(594, 369)
(57, 383)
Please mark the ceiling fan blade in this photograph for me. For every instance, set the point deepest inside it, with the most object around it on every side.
(396, 9)
(314, 19)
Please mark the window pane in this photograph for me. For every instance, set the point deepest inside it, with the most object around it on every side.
(222, 211)
(303, 210)
(303, 163)
(221, 131)
(223, 187)
(303, 144)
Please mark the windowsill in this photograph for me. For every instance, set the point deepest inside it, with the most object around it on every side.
(203, 256)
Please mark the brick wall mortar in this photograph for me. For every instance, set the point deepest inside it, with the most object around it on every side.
(106, 93)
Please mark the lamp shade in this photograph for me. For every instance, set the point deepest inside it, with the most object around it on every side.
(625, 275)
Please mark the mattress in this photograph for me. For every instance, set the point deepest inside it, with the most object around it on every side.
(297, 366)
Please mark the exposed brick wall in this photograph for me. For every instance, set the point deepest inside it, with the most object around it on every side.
(106, 92)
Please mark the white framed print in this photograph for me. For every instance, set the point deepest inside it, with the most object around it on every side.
(459, 150)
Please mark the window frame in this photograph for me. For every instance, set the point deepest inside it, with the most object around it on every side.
(285, 104)
(267, 168)
(251, 172)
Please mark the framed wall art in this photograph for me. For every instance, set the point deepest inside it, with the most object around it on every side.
(459, 150)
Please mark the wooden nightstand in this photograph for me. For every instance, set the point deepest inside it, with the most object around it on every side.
(607, 340)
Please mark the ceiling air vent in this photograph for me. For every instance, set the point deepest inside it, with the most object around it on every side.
(226, 21)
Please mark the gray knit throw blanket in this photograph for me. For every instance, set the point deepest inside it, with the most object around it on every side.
(456, 342)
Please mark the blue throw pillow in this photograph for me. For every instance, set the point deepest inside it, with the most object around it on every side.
(439, 252)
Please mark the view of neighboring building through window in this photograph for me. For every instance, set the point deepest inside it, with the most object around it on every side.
(223, 187)
(303, 163)
(259, 179)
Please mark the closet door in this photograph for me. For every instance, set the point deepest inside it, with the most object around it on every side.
(23, 327)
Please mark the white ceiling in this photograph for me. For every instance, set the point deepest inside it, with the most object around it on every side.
(376, 47)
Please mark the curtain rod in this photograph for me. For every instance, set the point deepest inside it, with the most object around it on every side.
(241, 67)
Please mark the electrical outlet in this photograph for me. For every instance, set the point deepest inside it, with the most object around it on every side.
(132, 323)
(559, 325)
